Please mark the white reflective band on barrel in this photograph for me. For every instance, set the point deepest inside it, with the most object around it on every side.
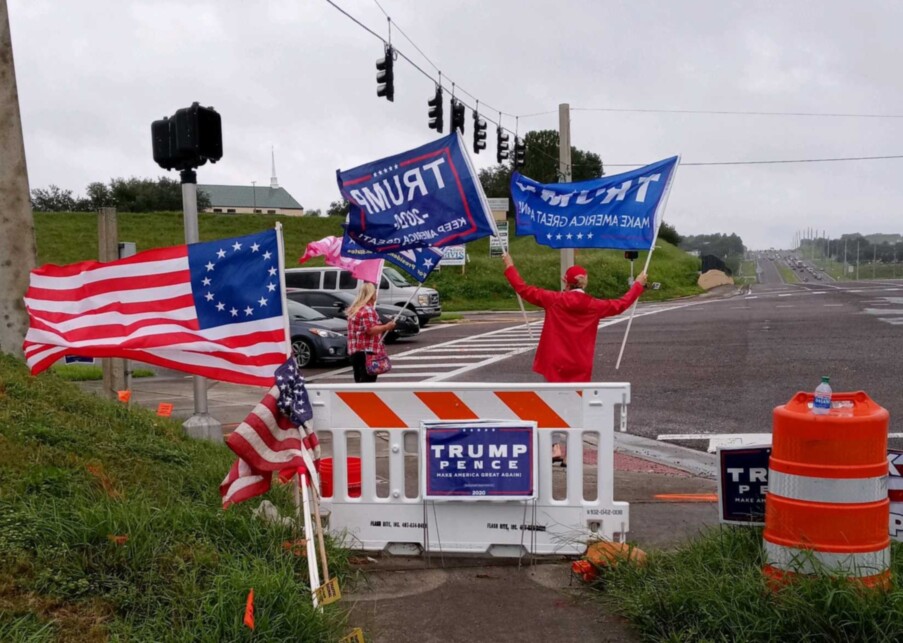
(837, 490)
(808, 561)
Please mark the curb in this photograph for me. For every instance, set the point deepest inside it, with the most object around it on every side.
(698, 463)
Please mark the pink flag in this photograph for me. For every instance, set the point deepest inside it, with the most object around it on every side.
(330, 249)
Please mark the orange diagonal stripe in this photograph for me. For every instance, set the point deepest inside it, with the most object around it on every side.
(529, 406)
(446, 405)
(372, 410)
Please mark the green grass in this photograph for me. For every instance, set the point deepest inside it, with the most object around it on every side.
(713, 590)
(866, 270)
(76, 470)
(787, 274)
(89, 372)
(68, 237)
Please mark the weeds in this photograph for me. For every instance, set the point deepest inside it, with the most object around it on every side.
(111, 528)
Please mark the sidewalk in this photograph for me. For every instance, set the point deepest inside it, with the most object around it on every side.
(399, 599)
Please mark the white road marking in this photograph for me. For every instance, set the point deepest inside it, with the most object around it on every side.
(785, 306)
(787, 294)
(831, 305)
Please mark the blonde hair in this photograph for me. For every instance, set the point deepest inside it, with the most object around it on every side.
(364, 295)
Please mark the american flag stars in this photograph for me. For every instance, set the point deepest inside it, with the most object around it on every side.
(386, 170)
(236, 281)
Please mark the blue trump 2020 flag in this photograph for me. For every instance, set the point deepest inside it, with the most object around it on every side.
(417, 262)
(426, 197)
(610, 212)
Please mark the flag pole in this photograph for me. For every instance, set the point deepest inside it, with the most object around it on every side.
(520, 302)
(658, 223)
(308, 535)
(281, 245)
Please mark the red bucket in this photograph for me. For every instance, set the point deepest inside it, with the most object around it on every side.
(354, 477)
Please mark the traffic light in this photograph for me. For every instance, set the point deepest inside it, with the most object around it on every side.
(385, 75)
(190, 138)
(457, 115)
(479, 133)
(435, 112)
(520, 153)
(631, 254)
(501, 145)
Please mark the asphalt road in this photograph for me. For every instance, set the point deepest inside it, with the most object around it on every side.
(715, 364)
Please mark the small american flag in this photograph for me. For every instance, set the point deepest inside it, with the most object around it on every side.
(273, 437)
(213, 309)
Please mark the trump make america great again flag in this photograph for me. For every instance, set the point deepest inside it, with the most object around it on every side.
(426, 197)
(616, 211)
(211, 309)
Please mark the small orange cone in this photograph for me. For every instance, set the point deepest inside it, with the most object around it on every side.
(249, 610)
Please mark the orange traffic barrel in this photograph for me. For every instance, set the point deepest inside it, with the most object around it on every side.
(827, 510)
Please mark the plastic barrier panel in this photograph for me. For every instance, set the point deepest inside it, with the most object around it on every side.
(380, 425)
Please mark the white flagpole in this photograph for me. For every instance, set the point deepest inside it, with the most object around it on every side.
(309, 537)
(520, 302)
(281, 245)
(658, 222)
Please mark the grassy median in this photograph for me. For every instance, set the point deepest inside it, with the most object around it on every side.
(111, 529)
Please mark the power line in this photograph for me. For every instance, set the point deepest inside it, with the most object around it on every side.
(772, 162)
(733, 113)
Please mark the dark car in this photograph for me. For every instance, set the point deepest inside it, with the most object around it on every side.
(316, 337)
(334, 304)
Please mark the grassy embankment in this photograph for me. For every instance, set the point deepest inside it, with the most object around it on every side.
(68, 237)
(713, 590)
(77, 473)
(867, 270)
(746, 274)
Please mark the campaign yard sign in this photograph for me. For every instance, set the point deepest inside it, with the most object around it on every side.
(742, 484)
(426, 197)
(616, 211)
(479, 460)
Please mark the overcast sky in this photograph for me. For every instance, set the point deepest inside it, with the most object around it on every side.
(300, 76)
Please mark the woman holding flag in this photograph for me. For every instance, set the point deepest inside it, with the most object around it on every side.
(568, 340)
(364, 331)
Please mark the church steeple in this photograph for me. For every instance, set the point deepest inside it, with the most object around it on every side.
(274, 182)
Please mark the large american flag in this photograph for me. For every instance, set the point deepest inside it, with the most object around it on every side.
(274, 437)
(213, 309)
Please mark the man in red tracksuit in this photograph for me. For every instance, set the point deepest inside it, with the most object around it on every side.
(568, 340)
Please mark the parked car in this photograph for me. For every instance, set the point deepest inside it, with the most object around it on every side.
(334, 303)
(316, 337)
(394, 290)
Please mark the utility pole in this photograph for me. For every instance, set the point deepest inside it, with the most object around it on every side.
(857, 259)
(115, 369)
(874, 258)
(17, 241)
(844, 258)
(564, 170)
(254, 188)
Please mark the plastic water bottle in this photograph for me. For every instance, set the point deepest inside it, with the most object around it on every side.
(821, 405)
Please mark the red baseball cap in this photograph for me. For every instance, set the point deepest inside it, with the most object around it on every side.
(570, 277)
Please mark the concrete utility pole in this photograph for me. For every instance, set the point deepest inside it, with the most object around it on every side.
(201, 425)
(564, 170)
(17, 243)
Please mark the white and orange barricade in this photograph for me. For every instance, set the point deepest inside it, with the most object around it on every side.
(377, 428)
(827, 507)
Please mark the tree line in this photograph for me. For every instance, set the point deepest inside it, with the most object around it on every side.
(126, 195)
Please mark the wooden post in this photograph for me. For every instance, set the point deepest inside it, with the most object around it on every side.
(114, 379)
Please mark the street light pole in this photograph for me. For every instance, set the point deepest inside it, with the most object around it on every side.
(254, 188)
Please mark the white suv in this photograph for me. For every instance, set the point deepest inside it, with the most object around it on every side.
(393, 290)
